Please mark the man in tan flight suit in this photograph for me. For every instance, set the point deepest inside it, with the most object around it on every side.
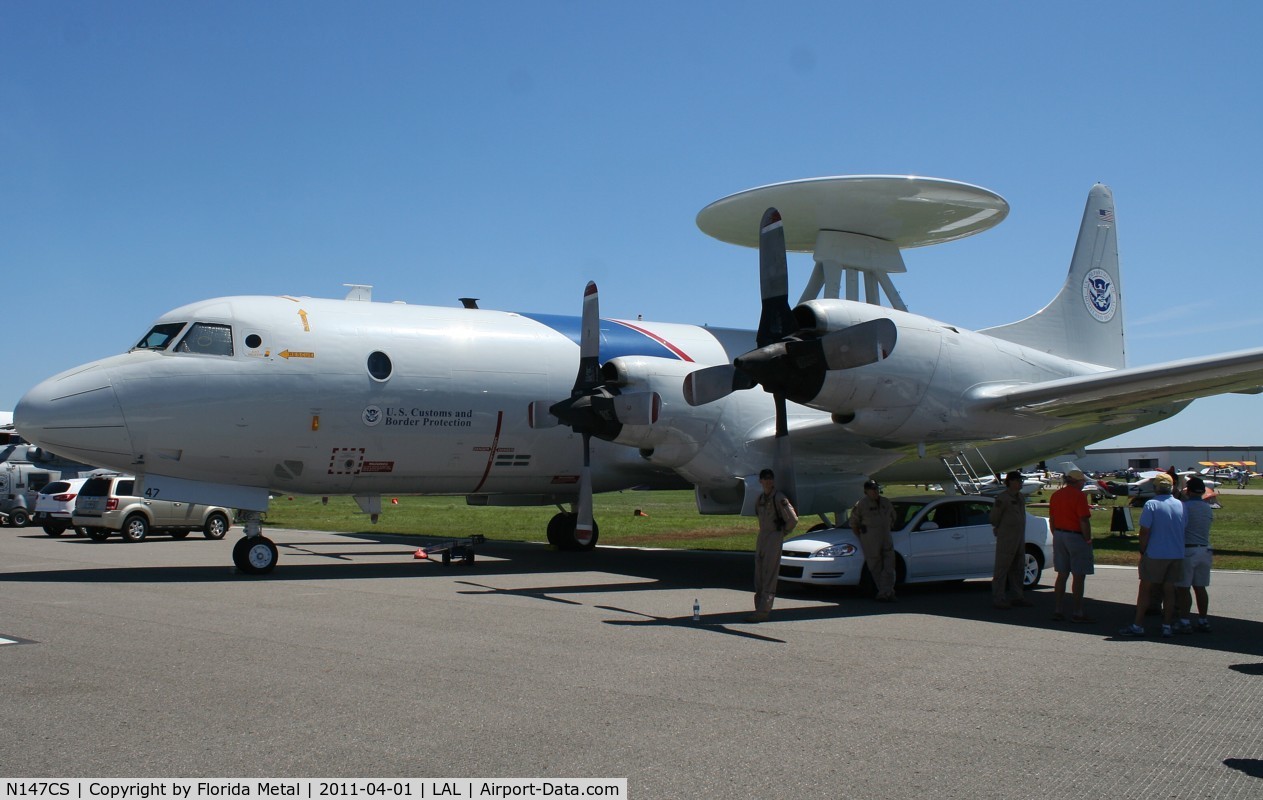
(777, 519)
(871, 519)
(1008, 523)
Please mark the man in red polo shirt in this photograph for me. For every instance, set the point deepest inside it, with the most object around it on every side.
(1071, 519)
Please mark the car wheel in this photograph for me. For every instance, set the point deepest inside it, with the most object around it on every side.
(54, 530)
(179, 534)
(216, 526)
(19, 518)
(97, 534)
(135, 528)
(1032, 568)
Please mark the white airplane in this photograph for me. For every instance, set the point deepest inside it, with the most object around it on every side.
(227, 400)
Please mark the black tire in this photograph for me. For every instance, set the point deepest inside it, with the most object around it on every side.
(19, 518)
(216, 526)
(255, 556)
(135, 528)
(1033, 568)
(561, 532)
(54, 530)
(181, 534)
(97, 534)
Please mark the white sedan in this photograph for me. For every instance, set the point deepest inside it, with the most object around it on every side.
(938, 539)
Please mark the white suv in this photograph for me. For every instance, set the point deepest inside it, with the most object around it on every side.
(55, 505)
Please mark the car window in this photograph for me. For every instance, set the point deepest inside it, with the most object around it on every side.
(946, 515)
(96, 487)
(207, 339)
(904, 512)
(56, 487)
(125, 488)
(976, 513)
(159, 336)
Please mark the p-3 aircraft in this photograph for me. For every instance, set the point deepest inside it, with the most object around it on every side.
(227, 400)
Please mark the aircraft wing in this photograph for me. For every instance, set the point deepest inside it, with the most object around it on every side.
(1133, 388)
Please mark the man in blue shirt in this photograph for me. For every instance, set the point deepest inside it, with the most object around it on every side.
(1197, 558)
(1161, 555)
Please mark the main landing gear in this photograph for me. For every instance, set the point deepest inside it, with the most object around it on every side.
(254, 553)
(561, 532)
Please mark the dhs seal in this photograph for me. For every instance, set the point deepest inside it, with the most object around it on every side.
(1099, 295)
(372, 416)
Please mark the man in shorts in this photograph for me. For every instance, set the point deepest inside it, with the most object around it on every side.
(1198, 516)
(1071, 520)
(1161, 555)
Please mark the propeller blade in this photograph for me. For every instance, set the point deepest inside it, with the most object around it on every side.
(589, 343)
(583, 521)
(637, 408)
(710, 384)
(776, 321)
(858, 345)
(538, 416)
(783, 459)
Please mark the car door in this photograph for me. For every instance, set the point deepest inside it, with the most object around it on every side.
(938, 543)
(976, 521)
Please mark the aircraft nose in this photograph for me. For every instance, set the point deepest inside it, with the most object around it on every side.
(77, 415)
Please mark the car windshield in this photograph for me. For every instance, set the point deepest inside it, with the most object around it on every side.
(96, 487)
(159, 336)
(56, 487)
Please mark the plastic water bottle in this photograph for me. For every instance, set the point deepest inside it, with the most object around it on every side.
(697, 610)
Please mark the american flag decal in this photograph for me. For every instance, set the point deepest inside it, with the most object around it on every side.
(1105, 215)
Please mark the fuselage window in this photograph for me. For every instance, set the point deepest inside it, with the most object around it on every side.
(207, 339)
(160, 336)
(379, 365)
(253, 341)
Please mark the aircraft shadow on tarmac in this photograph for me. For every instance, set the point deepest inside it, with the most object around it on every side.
(648, 570)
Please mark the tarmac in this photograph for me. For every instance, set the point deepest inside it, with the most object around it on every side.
(353, 659)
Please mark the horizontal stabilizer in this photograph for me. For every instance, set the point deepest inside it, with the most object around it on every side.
(1103, 393)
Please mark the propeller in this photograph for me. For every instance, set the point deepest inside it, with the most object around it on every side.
(786, 362)
(593, 409)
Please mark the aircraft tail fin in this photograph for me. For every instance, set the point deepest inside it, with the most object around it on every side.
(1084, 321)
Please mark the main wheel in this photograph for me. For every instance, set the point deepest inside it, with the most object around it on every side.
(562, 536)
(255, 556)
(216, 526)
(1032, 568)
(135, 528)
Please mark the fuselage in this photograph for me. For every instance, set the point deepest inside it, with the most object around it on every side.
(348, 397)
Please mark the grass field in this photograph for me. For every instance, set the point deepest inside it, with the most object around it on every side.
(670, 519)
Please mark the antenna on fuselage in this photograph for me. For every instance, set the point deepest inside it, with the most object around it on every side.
(362, 292)
(468, 302)
(857, 224)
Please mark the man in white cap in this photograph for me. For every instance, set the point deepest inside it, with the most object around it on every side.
(1071, 519)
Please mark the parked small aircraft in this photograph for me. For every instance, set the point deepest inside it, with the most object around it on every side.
(226, 400)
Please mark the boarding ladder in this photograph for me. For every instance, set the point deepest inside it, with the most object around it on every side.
(964, 475)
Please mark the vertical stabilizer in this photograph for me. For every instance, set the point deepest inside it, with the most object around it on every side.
(1084, 321)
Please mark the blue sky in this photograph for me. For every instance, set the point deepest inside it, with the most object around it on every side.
(157, 153)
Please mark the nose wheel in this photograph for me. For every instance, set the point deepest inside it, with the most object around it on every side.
(254, 553)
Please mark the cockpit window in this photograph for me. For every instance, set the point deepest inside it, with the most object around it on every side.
(160, 337)
(207, 339)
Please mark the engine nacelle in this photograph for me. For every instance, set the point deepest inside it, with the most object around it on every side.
(681, 431)
(876, 399)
